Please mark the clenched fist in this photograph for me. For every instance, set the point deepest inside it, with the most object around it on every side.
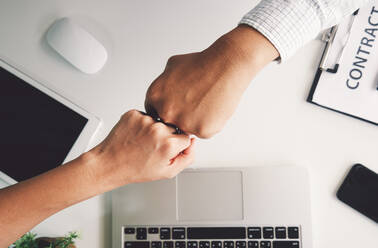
(198, 92)
(138, 149)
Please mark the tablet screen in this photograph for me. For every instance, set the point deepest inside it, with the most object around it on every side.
(36, 131)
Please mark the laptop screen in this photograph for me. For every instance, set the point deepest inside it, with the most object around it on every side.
(36, 131)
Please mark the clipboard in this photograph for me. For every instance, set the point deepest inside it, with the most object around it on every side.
(346, 80)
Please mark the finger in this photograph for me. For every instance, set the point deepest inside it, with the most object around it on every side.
(186, 151)
(145, 120)
(164, 129)
(190, 149)
(177, 144)
(177, 130)
(132, 114)
(143, 113)
(150, 110)
(184, 159)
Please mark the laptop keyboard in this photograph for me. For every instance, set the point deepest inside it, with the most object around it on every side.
(212, 237)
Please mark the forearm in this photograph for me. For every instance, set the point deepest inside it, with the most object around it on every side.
(137, 149)
(247, 49)
(24, 205)
(251, 46)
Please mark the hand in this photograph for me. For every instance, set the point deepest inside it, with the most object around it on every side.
(198, 92)
(139, 149)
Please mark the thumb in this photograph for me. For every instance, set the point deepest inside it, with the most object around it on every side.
(184, 159)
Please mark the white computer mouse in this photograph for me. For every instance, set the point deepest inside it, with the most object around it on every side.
(77, 46)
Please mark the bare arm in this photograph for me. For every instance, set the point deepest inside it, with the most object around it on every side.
(138, 149)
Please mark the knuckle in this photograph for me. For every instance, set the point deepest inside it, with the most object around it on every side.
(157, 129)
(129, 114)
(205, 132)
(172, 59)
(146, 120)
(133, 111)
(153, 92)
(124, 117)
(167, 113)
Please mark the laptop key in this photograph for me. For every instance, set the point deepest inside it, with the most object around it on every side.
(178, 233)
(280, 232)
(129, 230)
(165, 233)
(285, 244)
(167, 244)
(228, 244)
(180, 244)
(192, 244)
(216, 244)
(254, 232)
(293, 232)
(141, 233)
(204, 244)
(137, 244)
(240, 244)
(156, 244)
(153, 230)
(253, 244)
(265, 244)
(268, 232)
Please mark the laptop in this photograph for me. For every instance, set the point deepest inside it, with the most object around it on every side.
(255, 207)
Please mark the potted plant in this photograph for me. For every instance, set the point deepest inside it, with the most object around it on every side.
(30, 240)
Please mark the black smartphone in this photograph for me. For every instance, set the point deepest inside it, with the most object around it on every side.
(360, 191)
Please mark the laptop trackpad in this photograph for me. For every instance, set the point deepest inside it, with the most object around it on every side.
(210, 196)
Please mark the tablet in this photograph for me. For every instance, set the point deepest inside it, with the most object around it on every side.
(39, 129)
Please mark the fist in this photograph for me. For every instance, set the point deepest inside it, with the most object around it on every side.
(198, 92)
(138, 149)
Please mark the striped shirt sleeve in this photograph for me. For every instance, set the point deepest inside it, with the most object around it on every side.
(289, 24)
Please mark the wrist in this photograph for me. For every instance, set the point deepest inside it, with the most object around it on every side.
(102, 167)
(93, 163)
(248, 47)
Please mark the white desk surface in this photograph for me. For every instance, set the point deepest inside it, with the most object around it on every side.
(273, 125)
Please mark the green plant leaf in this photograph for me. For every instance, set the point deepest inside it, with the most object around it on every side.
(27, 241)
(68, 240)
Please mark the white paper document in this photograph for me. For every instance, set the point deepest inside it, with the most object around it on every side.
(353, 88)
